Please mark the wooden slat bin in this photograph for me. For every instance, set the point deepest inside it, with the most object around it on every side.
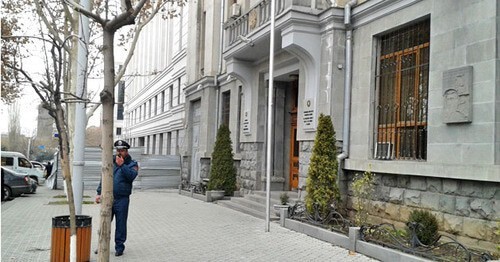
(61, 242)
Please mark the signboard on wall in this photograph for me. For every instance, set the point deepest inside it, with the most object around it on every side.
(246, 123)
(309, 116)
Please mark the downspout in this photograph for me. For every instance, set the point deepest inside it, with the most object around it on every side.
(219, 69)
(347, 84)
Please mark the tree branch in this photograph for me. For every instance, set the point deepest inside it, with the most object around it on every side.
(86, 12)
(127, 17)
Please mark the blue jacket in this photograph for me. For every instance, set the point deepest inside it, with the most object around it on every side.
(123, 176)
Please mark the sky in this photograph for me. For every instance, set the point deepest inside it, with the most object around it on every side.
(28, 111)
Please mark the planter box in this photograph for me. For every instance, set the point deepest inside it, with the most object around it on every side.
(352, 243)
(214, 195)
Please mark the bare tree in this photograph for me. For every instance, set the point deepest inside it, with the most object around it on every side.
(49, 89)
(140, 14)
(60, 24)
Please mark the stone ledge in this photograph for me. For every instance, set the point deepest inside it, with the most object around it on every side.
(365, 248)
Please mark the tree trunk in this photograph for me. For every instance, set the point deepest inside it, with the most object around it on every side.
(107, 100)
(65, 164)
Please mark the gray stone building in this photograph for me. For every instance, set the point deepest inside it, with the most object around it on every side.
(412, 87)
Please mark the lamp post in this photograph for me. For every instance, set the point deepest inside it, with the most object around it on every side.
(270, 108)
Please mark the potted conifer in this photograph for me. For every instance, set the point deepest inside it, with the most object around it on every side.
(222, 170)
(283, 204)
(321, 183)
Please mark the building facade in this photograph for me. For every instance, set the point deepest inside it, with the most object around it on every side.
(153, 88)
(411, 86)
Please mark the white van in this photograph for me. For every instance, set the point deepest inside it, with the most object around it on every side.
(19, 163)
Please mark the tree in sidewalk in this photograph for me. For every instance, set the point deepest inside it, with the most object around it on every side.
(321, 183)
(61, 25)
(222, 170)
(142, 12)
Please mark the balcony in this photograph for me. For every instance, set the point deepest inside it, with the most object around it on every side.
(260, 14)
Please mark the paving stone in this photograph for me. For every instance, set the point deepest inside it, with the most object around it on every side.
(164, 226)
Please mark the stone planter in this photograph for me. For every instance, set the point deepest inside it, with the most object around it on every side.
(281, 211)
(214, 195)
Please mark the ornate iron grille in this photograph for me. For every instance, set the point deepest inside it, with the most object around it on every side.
(402, 85)
(443, 248)
(333, 220)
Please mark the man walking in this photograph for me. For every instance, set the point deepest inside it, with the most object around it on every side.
(124, 172)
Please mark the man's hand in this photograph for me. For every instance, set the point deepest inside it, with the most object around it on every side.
(119, 160)
(98, 199)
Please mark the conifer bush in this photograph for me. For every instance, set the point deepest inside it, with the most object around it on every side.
(427, 231)
(321, 183)
(222, 170)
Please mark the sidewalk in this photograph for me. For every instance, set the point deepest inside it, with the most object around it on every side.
(164, 226)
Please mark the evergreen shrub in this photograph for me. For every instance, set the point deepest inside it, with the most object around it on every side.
(427, 231)
(222, 170)
(321, 183)
(284, 198)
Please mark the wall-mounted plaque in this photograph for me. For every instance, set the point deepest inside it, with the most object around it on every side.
(457, 95)
(309, 116)
(246, 123)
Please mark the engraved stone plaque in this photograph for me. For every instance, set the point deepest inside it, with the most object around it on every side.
(246, 124)
(457, 95)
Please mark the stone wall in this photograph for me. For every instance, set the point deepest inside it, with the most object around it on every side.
(468, 210)
(250, 169)
(204, 167)
(304, 160)
(186, 165)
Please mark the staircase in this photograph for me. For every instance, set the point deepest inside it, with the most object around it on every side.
(254, 203)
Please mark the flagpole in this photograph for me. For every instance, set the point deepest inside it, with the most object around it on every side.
(270, 109)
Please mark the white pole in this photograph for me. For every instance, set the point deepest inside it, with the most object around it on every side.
(270, 108)
(80, 114)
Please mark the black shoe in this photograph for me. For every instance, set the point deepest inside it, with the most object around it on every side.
(118, 253)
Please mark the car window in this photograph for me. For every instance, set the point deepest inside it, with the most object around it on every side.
(23, 162)
(7, 161)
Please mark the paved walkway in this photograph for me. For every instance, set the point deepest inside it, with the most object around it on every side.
(164, 226)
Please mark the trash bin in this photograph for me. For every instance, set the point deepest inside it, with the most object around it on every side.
(61, 242)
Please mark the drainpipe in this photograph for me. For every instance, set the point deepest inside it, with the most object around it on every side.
(219, 69)
(347, 84)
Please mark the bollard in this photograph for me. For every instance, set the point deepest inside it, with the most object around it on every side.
(354, 234)
(283, 215)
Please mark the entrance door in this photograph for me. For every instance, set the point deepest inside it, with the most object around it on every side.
(294, 144)
(195, 137)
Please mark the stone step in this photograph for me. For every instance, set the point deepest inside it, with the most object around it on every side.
(245, 209)
(247, 202)
(293, 195)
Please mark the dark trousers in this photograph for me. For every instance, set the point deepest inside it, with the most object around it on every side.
(120, 212)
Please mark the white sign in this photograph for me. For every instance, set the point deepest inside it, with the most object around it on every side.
(309, 116)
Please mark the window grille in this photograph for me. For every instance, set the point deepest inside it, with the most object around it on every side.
(402, 90)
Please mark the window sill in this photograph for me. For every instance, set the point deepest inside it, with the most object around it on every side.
(420, 168)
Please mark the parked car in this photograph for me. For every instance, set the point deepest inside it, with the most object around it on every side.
(38, 165)
(15, 184)
(19, 163)
(34, 186)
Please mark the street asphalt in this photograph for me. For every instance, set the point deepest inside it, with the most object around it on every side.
(163, 226)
